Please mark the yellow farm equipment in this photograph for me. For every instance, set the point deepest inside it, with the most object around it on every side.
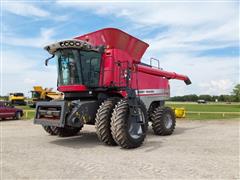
(180, 112)
(46, 94)
(17, 99)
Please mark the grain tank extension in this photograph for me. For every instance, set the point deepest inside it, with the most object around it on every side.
(105, 84)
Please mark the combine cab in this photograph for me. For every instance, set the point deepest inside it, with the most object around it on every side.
(106, 85)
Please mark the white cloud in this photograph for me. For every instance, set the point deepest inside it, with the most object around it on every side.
(29, 80)
(195, 26)
(28, 9)
(38, 41)
(202, 71)
(222, 86)
(20, 73)
(161, 13)
(25, 9)
(15, 63)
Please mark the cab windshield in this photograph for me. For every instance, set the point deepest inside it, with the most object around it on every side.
(78, 67)
(35, 94)
(18, 94)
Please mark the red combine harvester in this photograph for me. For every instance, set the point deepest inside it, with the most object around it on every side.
(105, 84)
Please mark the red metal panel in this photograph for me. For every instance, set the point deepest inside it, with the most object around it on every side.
(117, 39)
(147, 81)
(161, 73)
(71, 88)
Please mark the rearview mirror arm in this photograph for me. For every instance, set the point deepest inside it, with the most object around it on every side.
(46, 61)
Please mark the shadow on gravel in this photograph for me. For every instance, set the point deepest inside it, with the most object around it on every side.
(83, 140)
(150, 146)
(181, 130)
(177, 131)
(90, 140)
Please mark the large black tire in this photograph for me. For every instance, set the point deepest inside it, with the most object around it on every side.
(62, 131)
(163, 121)
(121, 126)
(67, 131)
(50, 130)
(151, 109)
(103, 121)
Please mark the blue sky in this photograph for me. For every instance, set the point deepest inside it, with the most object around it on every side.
(199, 39)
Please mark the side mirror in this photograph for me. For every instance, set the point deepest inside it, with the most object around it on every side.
(46, 61)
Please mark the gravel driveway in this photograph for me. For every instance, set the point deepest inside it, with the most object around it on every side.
(197, 149)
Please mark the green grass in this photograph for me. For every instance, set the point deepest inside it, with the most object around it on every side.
(25, 107)
(209, 107)
(29, 115)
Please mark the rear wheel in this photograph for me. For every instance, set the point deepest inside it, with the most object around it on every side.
(18, 115)
(125, 130)
(50, 130)
(163, 121)
(151, 109)
(103, 121)
(61, 131)
(67, 131)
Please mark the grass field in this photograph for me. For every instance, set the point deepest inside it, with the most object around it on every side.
(194, 111)
(208, 111)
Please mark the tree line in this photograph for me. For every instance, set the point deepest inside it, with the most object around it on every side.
(194, 98)
(234, 97)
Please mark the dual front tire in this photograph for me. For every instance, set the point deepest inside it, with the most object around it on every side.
(115, 126)
(127, 131)
(103, 121)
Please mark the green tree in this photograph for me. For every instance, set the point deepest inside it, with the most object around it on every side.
(205, 97)
(190, 97)
(236, 92)
(214, 97)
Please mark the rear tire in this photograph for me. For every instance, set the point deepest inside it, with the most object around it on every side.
(163, 121)
(50, 130)
(62, 132)
(151, 109)
(18, 115)
(123, 129)
(67, 131)
(103, 121)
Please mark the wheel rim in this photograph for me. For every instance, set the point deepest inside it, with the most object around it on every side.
(136, 129)
(168, 121)
(18, 115)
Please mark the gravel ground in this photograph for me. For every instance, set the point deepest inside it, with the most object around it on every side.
(196, 150)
